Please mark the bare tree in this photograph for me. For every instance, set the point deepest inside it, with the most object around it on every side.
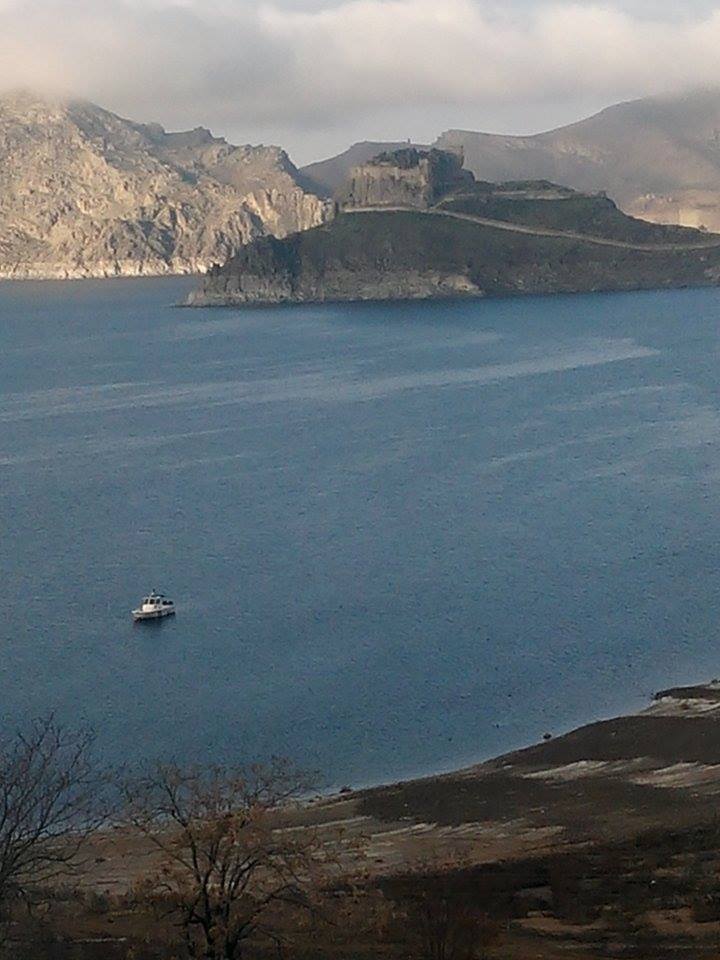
(49, 803)
(226, 860)
(451, 926)
(445, 915)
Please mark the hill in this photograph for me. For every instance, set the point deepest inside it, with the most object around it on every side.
(414, 225)
(85, 193)
(658, 158)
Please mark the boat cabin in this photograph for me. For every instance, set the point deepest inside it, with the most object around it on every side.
(157, 600)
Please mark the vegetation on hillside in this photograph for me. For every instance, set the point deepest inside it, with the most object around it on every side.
(595, 216)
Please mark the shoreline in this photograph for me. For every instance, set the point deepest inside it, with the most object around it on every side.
(451, 297)
(611, 780)
(577, 846)
(188, 275)
(447, 300)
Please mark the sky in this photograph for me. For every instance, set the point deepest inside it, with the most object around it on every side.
(317, 75)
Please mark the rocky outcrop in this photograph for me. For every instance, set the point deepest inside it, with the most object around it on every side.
(405, 178)
(85, 193)
(328, 177)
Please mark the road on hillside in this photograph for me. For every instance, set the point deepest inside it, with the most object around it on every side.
(541, 231)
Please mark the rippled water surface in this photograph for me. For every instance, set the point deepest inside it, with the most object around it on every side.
(400, 537)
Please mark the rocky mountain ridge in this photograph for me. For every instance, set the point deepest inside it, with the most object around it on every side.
(85, 193)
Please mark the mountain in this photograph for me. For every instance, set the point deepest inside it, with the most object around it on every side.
(658, 158)
(329, 176)
(414, 225)
(85, 193)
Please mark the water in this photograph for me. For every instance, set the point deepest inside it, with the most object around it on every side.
(401, 537)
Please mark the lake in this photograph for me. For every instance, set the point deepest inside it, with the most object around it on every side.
(401, 537)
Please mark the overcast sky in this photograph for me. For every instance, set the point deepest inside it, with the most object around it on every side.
(315, 75)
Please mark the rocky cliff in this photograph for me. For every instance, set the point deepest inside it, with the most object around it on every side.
(85, 193)
(406, 177)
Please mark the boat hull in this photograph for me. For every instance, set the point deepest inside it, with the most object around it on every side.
(151, 614)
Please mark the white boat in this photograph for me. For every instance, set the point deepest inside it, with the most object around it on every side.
(153, 607)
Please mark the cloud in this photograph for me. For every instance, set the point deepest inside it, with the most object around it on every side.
(310, 64)
(369, 51)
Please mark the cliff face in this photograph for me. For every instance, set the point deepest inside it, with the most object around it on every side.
(84, 193)
(407, 178)
(325, 264)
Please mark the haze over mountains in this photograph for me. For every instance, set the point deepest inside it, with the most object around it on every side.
(658, 158)
(85, 193)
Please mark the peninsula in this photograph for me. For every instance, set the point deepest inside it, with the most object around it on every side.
(414, 224)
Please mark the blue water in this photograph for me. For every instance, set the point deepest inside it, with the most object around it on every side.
(401, 537)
